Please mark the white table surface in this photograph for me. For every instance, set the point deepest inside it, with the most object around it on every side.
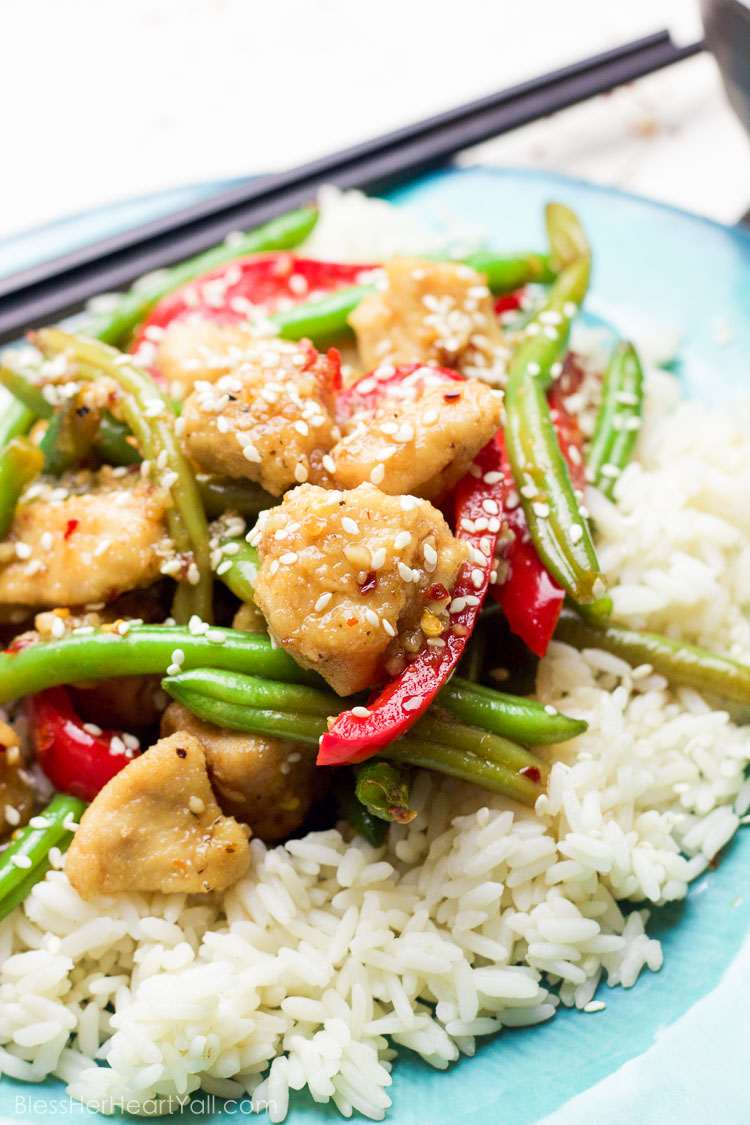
(105, 99)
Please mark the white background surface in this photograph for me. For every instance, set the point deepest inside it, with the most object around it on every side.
(104, 99)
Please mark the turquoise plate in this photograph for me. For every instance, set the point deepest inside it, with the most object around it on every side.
(675, 1047)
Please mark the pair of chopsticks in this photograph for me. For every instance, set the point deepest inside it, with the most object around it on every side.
(60, 286)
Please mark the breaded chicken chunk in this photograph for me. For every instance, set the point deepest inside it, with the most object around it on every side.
(346, 578)
(439, 312)
(270, 420)
(265, 782)
(421, 445)
(156, 826)
(85, 538)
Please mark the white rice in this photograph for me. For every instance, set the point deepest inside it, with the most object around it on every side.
(330, 955)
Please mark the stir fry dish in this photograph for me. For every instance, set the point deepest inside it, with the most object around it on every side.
(286, 546)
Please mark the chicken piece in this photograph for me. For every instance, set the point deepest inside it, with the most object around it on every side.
(432, 312)
(421, 446)
(194, 349)
(268, 783)
(156, 826)
(16, 792)
(345, 579)
(87, 538)
(270, 420)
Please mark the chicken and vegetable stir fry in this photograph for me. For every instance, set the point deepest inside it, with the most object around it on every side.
(246, 587)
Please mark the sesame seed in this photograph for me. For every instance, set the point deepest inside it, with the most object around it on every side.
(40, 822)
(403, 539)
(377, 474)
(550, 709)
(196, 805)
(378, 558)
(430, 556)
(193, 574)
(289, 558)
(302, 427)
(46, 541)
(457, 605)
(116, 745)
(430, 417)
(388, 628)
(493, 478)
(490, 507)
(599, 589)
(22, 861)
(23, 551)
(223, 567)
(570, 308)
(477, 579)
(611, 471)
(576, 532)
(541, 510)
(92, 729)
(57, 628)
(349, 525)
(215, 636)
(329, 464)
(412, 704)
(12, 816)
(323, 601)
(300, 472)
(361, 712)
(371, 617)
(404, 571)
(533, 368)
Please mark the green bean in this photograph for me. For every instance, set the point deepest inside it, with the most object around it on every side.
(112, 442)
(505, 274)
(618, 420)
(370, 827)
(280, 234)
(445, 730)
(151, 418)
(474, 755)
(24, 390)
(26, 860)
(523, 787)
(20, 462)
(556, 525)
(512, 716)
(69, 436)
(384, 791)
(567, 237)
(680, 663)
(241, 574)
(327, 319)
(143, 650)
(242, 690)
(220, 496)
(321, 321)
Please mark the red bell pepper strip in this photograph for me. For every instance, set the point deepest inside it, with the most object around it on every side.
(509, 302)
(72, 756)
(246, 289)
(529, 597)
(352, 738)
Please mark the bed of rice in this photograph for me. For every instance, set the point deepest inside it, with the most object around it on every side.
(479, 915)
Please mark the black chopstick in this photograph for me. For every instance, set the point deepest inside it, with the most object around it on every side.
(54, 288)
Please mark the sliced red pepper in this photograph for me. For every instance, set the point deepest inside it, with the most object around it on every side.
(509, 302)
(370, 391)
(529, 597)
(352, 738)
(248, 289)
(72, 756)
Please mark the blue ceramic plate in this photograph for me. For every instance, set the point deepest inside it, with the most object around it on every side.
(674, 1048)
